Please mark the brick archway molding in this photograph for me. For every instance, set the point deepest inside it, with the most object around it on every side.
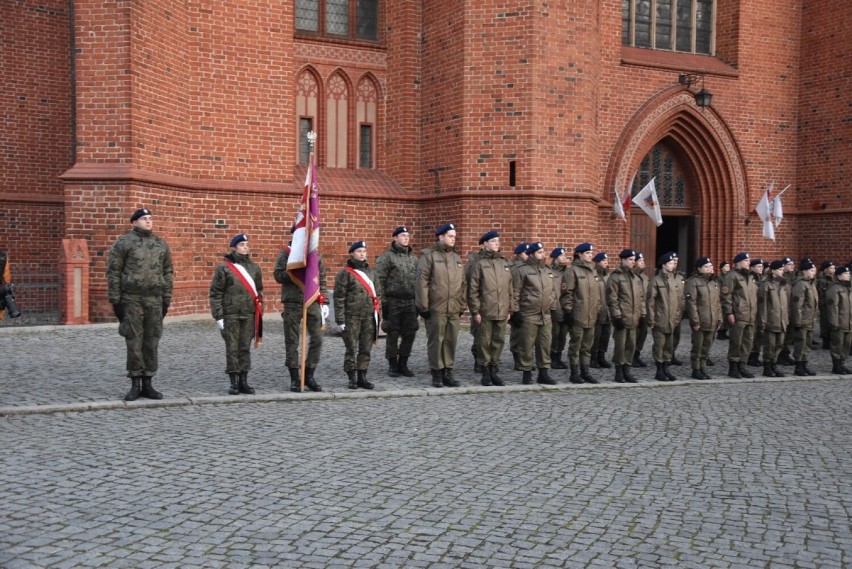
(711, 153)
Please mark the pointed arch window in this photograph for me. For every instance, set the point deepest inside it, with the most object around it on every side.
(337, 113)
(307, 107)
(366, 109)
(672, 25)
(661, 163)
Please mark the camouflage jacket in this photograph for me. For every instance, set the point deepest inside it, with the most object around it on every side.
(228, 296)
(396, 273)
(351, 300)
(139, 264)
(291, 292)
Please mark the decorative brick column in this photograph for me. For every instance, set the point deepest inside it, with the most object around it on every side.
(74, 281)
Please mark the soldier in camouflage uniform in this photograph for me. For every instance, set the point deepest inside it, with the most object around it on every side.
(664, 312)
(826, 279)
(642, 329)
(773, 316)
(704, 311)
(739, 307)
(396, 273)
(440, 299)
(560, 261)
(238, 311)
(292, 298)
(603, 327)
(518, 261)
(357, 310)
(140, 277)
(804, 311)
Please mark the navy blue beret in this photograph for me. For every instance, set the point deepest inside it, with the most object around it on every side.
(775, 265)
(842, 269)
(444, 228)
(556, 252)
(627, 253)
(666, 257)
(400, 229)
(599, 257)
(140, 213)
(357, 245)
(639, 255)
(521, 248)
(740, 257)
(583, 247)
(238, 239)
(826, 264)
(701, 261)
(533, 247)
(756, 261)
(489, 236)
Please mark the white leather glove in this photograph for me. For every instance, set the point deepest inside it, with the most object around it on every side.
(324, 310)
(342, 327)
(220, 324)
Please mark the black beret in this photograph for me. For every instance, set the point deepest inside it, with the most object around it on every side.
(357, 245)
(806, 264)
(400, 229)
(140, 213)
(444, 228)
(777, 264)
(666, 257)
(740, 257)
(701, 261)
(599, 257)
(626, 254)
(521, 248)
(826, 264)
(842, 269)
(755, 261)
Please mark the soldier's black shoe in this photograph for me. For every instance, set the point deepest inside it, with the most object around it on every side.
(705, 374)
(734, 370)
(754, 359)
(675, 361)
(593, 362)
(393, 367)
(437, 378)
(353, 381)
(447, 378)
(722, 334)
(808, 370)
(477, 367)
(767, 370)
(744, 372)
(295, 380)
(135, 389)
(527, 378)
(619, 374)
(660, 375)
(587, 377)
(628, 376)
(495, 379)
(575, 374)
(556, 361)
(800, 369)
(148, 390)
(710, 362)
(637, 361)
(310, 382)
(836, 367)
(826, 343)
(402, 367)
(696, 373)
(777, 372)
(602, 360)
(784, 358)
(235, 378)
(544, 377)
(486, 376)
(244, 387)
(669, 375)
(362, 380)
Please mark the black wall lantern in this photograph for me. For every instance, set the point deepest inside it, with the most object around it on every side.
(702, 97)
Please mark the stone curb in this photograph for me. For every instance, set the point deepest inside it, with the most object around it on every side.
(427, 392)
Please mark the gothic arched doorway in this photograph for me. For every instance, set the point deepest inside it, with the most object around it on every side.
(680, 229)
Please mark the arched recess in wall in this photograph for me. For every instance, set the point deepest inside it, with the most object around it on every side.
(338, 91)
(308, 96)
(367, 125)
(707, 147)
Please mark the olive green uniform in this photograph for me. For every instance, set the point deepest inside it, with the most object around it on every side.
(140, 276)
(396, 273)
(664, 311)
(824, 281)
(642, 328)
(805, 309)
(489, 295)
(580, 296)
(355, 307)
(534, 289)
(559, 329)
(440, 294)
(603, 326)
(739, 297)
(838, 300)
(702, 304)
(231, 302)
(773, 316)
(625, 301)
(515, 332)
(472, 259)
(292, 297)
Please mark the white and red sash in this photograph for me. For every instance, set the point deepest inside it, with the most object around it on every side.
(368, 285)
(248, 283)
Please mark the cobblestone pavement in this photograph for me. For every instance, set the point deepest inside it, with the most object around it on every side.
(722, 473)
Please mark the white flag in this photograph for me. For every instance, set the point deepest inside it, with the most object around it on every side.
(647, 200)
(621, 205)
(764, 212)
(778, 211)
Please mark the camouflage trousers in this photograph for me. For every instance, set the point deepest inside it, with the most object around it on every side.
(841, 342)
(238, 334)
(624, 341)
(772, 344)
(442, 335)
(399, 322)
(702, 341)
(580, 347)
(663, 346)
(358, 339)
(559, 336)
(142, 328)
(292, 317)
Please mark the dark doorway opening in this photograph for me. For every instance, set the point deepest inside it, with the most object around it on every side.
(677, 233)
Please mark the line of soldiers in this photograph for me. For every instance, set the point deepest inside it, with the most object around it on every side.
(574, 300)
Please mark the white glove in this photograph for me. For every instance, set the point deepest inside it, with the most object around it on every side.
(342, 327)
(324, 310)
(220, 324)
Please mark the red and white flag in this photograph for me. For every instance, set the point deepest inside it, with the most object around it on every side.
(621, 205)
(303, 261)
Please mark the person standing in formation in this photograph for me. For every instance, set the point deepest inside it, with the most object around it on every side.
(838, 301)
(826, 279)
(804, 311)
(472, 258)
(665, 311)
(580, 296)
(642, 329)
(518, 261)
(559, 262)
(773, 317)
(489, 296)
(603, 327)
(704, 311)
(396, 275)
(440, 300)
(625, 299)
(739, 307)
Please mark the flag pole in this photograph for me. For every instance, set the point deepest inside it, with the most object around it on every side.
(312, 137)
(781, 192)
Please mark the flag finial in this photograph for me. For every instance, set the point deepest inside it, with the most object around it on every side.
(312, 138)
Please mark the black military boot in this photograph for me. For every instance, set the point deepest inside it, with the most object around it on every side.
(402, 367)
(310, 382)
(754, 359)
(602, 360)
(486, 376)
(734, 370)
(135, 389)
(675, 361)
(637, 361)
(660, 375)
(437, 378)
(243, 386)
(495, 379)
(148, 390)
(544, 377)
(704, 373)
(593, 361)
(234, 389)
(767, 370)
(353, 382)
(722, 334)
(846, 370)
(393, 367)
(669, 375)
(696, 373)
(710, 362)
(800, 369)
(836, 367)
(776, 371)
(362, 380)
(447, 377)
(527, 378)
(628, 376)
(744, 372)
(477, 367)
(619, 374)
(587, 377)
(556, 361)
(808, 370)
(575, 374)
(784, 358)
(295, 380)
